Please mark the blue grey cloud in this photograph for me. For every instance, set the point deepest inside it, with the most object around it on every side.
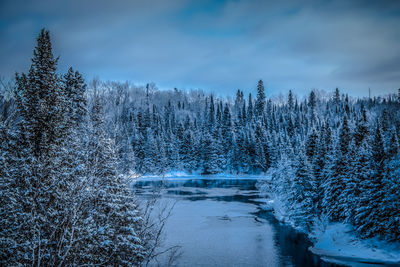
(215, 45)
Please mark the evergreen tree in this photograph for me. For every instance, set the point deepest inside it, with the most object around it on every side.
(335, 182)
(250, 109)
(390, 212)
(51, 208)
(305, 194)
(211, 113)
(290, 101)
(261, 100)
(312, 102)
(42, 108)
(311, 145)
(111, 218)
(369, 218)
(209, 155)
(361, 128)
(75, 89)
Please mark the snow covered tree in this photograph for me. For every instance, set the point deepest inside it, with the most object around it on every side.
(312, 102)
(305, 194)
(362, 130)
(335, 182)
(368, 218)
(290, 101)
(111, 218)
(50, 213)
(209, 155)
(391, 200)
(75, 89)
(42, 107)
(261, 100)
(250, 109)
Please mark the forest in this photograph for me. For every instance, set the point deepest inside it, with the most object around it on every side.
(69, 150)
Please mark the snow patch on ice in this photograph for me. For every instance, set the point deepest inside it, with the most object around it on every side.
(177, 174)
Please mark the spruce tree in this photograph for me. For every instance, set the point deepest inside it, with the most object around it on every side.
(75, 89)
(290, 101)
(312, 102)
(209, 155)
(250, 109)
(391, 200)
(43, 122)
(111, 219)
(335, 182)
(305, 194)
(54, 214)
(261, 100)
(369, 218)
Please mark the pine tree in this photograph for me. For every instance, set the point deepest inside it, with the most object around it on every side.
(312, 102)
(311, 145)
(369, 218)
(305, 193)
(209, 155)
(227, 138)
(238, 101)
(111, 219)
(391, 201)
(250, 109)
(348, 199)
(75, 89)
(52, 210)
(261, 100)
(334, 184)
(186, 149)
(361, 127)
(211, 113)
(42, 106)
(290, 101)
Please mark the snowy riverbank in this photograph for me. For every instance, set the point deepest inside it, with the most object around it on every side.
(183, 175)
(338, 243)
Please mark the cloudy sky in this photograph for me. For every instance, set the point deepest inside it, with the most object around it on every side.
(218, 46)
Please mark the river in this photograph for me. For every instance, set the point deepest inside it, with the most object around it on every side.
(220, 222)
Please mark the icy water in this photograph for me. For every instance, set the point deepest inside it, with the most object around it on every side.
(219, 222)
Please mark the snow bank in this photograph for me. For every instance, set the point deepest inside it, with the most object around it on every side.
(338, 243)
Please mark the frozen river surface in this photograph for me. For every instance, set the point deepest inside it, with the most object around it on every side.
(219, 222)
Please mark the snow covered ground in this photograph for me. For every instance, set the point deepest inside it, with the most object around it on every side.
(338, 243)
